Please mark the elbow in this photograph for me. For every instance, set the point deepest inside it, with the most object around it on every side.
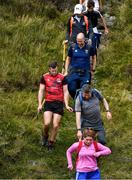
(68, 154)
(109, 151)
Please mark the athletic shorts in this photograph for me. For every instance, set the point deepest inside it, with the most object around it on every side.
(88, 175)
(54, 106)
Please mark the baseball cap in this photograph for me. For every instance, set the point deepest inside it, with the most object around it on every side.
(78, 9)
(53, 64)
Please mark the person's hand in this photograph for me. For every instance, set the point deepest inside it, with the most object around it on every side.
(65, 73)
(96, 154)
(65, 42)
(109, 115)
(40, 108)
(89, 42)
(70, 109)
(106, 31)
(70, 167)
(79, 135)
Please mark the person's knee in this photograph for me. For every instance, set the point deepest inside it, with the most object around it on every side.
(55, 126)
(46, 125)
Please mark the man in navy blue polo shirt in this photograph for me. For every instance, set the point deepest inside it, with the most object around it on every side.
(77, 65)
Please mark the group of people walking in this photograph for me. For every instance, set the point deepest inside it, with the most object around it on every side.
(55, 88)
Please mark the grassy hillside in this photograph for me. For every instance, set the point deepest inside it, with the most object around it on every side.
(31, 34)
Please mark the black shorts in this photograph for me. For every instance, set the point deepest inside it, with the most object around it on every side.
(54, 106)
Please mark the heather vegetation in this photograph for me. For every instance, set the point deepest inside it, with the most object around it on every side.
(31, 35)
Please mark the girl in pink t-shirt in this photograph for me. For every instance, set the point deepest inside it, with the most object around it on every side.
(87, 152)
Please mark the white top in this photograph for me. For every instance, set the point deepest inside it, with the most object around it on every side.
(96, 7)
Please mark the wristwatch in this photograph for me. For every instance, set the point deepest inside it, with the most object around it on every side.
(107, 110)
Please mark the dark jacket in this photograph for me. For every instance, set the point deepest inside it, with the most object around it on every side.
(77, 27)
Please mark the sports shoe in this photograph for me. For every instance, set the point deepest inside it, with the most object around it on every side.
(50, 145)
(44, 141)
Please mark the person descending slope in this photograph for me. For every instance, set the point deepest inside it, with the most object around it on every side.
(77, 23)
(93, 17)
(87, 109)
(87, 151)
(54, 86)
(97, 7)
(77, 65)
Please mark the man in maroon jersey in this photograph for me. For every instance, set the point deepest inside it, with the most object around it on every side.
(53, 87)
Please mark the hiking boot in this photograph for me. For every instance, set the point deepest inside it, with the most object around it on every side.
(50, 145)
(44, 141)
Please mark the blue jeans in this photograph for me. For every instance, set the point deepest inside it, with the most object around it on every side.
(76, 81)
(96, 41)
(100, 131)
(88, 175)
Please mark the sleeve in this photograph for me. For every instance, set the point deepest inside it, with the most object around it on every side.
(103, 150)
(64, 81)
(69, 152)
(77, 104)
(42, 80)
(97, 94)
(70, 51)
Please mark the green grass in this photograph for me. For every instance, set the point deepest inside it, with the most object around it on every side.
(30, 36)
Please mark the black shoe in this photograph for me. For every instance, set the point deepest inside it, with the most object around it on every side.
(44, 141)
(50, 146)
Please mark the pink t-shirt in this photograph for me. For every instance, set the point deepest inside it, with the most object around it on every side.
(86, 160)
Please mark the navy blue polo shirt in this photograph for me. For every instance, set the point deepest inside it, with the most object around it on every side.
(80, 57)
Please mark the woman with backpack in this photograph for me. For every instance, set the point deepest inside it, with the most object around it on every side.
(87, 151)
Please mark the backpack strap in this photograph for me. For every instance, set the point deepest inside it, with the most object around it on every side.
(78, 149)
(96, 146)
(78, 93)
(81, 99)
(71, 23)
(86, 22)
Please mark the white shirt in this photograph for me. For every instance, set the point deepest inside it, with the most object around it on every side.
(77, 18)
